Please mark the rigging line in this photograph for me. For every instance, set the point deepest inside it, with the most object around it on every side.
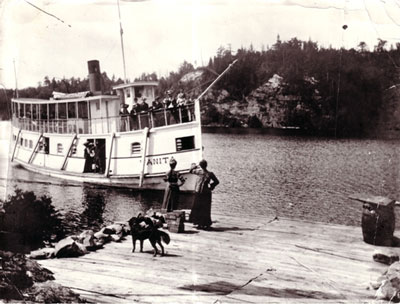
(43, 11)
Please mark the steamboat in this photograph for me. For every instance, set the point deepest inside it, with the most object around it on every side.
(50, 136)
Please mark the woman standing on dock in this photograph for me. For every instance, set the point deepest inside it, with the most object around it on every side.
(175, 180)
(205, 184)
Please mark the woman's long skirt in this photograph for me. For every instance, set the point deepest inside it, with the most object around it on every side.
(201, 210)
(171, 196)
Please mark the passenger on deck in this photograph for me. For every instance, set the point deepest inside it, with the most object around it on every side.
(156, 104)
(143, 106)
(123, 111)
(181, 99)
(133, 115)
(174, 181)
(206, 181)
(168, 99)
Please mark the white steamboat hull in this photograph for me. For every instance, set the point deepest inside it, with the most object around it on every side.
(135, 159)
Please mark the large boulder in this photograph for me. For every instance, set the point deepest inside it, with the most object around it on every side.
(68, 247)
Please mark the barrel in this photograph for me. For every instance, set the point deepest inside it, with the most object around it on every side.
(378, 219)
(378, 224)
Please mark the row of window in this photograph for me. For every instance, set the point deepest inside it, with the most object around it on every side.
(182, 143)
(51, 110)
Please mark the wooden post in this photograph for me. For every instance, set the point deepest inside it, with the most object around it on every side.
(107, 172)
(15, 146)
(68, 152)
(143, 158)
(34, 150)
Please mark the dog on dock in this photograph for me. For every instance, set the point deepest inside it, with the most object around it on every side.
(144, 227)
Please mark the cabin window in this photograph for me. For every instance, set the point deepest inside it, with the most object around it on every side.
(184, 143)
(30, 144)
(43, 111)
(135, 148)
(14, 137)
(139, 91)
(52, 111)
(128, 93)
(71, 110)
(82, 109)
(59, 148)
(35, 111)
(73, 149)
(21, 141)
(25, 142)
(62, 111)
(28, 110)
(97, 105)
(21, 110)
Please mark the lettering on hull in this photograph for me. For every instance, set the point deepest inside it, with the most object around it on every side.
(157, 161)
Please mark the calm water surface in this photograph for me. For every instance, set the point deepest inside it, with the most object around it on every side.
(260, 174)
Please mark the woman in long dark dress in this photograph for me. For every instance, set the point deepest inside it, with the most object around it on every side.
(205, 184)
(88, 154)
(174, 181)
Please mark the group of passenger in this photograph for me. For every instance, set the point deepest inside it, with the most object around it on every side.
(169, 103)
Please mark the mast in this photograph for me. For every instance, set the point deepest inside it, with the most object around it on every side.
(121, 32)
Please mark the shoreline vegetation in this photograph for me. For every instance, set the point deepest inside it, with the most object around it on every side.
(290, 85)
(26, 223)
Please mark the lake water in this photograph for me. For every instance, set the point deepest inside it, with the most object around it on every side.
(260, 174)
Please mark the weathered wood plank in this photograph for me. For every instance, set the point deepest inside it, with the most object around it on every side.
(241, 260)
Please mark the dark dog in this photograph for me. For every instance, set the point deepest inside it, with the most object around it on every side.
(143, 228)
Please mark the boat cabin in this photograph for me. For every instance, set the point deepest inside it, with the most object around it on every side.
(142, 91)
(100, 114)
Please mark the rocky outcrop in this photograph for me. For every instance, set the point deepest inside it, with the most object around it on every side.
(271, 104)
(24, 280)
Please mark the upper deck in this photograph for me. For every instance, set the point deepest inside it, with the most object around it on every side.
(91, 115)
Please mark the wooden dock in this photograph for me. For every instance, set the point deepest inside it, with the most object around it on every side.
(242, 260)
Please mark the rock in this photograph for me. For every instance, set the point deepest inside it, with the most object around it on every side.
(43, 253)
(385, 256)
(387, 291)
(390, 286)
(116, 237)
(87, 239)
(68, 247)
(51, 292)
(113, 229)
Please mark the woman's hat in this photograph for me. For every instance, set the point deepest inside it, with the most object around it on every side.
(88, 143)
(172, 161)
(203, 163)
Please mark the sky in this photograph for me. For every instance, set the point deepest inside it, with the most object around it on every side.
(56, 38)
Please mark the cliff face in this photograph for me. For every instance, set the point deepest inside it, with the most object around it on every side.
(270, 105)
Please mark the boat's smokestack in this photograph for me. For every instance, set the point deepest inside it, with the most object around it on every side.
(95, 81)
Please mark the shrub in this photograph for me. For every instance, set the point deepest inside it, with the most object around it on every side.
(35, 218)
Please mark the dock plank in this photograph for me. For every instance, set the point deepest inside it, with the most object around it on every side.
(242, 260)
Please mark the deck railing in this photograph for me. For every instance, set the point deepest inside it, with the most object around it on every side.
(121, 123)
